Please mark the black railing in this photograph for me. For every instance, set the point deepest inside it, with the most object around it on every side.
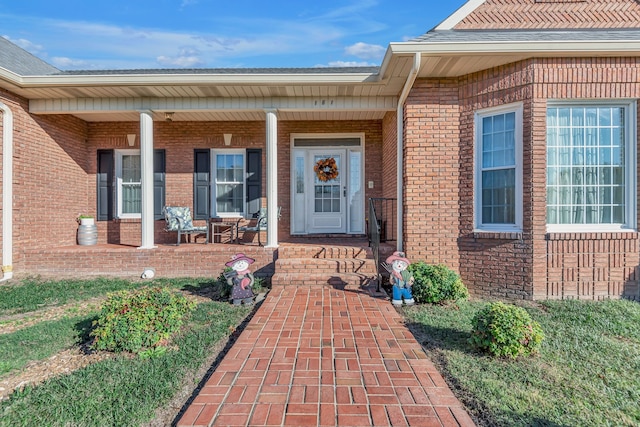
(381, 227)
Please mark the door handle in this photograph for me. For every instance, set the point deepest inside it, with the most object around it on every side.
(344, 191)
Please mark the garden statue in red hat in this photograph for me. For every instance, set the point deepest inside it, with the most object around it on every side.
(240, 278)
(401, 279)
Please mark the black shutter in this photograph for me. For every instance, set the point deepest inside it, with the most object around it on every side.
(201, 191)
(159, 171)
(105, 185)
(254, 180)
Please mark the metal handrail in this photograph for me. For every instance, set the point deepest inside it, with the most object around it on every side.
(381, 228)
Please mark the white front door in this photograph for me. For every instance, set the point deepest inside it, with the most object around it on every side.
(327, 180)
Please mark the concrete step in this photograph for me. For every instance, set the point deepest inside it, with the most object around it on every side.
(325, 265)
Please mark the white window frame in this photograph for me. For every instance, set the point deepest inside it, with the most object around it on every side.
(214, 182)
(479, 115)
(630, 107)
(118, 159)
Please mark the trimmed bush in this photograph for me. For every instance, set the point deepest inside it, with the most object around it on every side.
(505, 330)
(436, 283)
(139, 320)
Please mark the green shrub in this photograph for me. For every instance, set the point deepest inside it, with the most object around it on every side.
(436, 283)
(506, 330)
(139, 320)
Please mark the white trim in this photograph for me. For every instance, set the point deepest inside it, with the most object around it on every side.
(214, 182)
(545, 49)
(631, 166)
(457, 16)
(7, 192)
(516, 108)
(318, 103)
(328, 136)
(119, 153)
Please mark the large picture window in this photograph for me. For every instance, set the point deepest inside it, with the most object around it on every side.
(498, 195)
(229, 176)
(129, 184)
(590, 167)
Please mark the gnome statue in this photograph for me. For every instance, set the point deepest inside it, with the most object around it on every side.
(401, 279)
(240, 279)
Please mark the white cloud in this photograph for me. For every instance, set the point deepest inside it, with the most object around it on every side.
(365, 50)
(69, 63)
(347, 64)
(26, 45)
(188, 57)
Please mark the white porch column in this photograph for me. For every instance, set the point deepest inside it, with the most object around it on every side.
(146, 166)
(272, 178)
(7, 192)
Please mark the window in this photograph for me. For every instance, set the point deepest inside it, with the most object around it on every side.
(129, 185)
(498, 176)
(590, 167)
(229, 176)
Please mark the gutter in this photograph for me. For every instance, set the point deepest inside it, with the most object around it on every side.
(411, 78)
(7, 192)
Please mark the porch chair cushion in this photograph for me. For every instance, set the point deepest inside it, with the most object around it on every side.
(260, 223)
(178, 218)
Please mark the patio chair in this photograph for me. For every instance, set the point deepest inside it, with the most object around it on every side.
(178, 218)
(260, 224)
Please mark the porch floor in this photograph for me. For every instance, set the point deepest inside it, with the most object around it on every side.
(321, 356)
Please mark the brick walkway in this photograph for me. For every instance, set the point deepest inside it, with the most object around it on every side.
(318, 356)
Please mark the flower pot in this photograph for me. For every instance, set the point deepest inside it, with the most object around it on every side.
(87, 221)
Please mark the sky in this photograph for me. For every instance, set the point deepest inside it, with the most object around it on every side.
(139, 34)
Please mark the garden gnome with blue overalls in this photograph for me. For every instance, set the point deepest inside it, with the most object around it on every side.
(240, 278)
(401, 279)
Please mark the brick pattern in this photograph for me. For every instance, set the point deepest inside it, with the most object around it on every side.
(439, 176)
(592, 265)
(317, 356)
(320, 264)
(389, 156)
(552, 14)
(55, 167)
(186, 260)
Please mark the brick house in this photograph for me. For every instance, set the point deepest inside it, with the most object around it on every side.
(505, 139)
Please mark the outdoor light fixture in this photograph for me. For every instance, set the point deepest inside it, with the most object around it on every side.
(168, 117)
(227, 138)
(131, 139)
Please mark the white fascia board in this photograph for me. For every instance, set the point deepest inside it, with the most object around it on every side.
(542, 48)
(87, 105)
(189, 79)
(459, 15)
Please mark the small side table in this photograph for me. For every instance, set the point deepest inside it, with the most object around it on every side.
(224, 231)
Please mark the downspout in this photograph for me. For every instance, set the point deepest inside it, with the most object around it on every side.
(411, 78)
(7, 193)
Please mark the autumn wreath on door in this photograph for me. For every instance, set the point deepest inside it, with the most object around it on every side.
(326, 169)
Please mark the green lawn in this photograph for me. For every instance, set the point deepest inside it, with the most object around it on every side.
(122, 391)
(585, 375)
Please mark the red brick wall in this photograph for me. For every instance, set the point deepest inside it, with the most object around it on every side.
(50, 178)
(545, 14)
(389, 155)
(180, 138)
(439, 184)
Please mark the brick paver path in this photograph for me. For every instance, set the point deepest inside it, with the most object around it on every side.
(318, 356)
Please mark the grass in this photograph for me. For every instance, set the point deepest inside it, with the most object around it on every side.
(40, 341)
(120, 391)
(585, 375)
(35, 293)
